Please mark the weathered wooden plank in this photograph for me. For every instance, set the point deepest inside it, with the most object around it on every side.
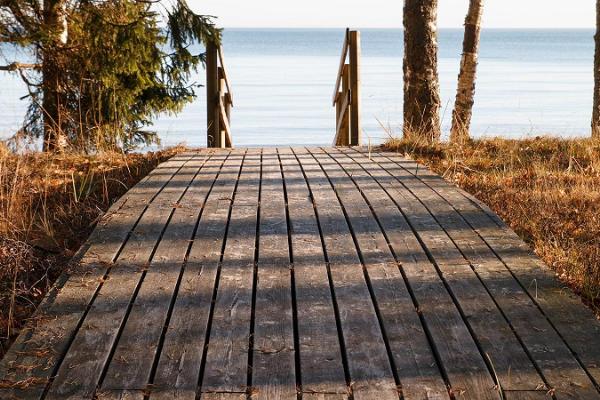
(575, 323)
(129, 369)
(273, 369)
(121, 394)
(459, 354)
(83, 364)
(415, 364)
(321, 364)
(528, 323)
(324, 396)
(527, 395)
(178, 369)
(227, 355)
(368, 362)
(560, 368)
(223, 396)
(43, 342)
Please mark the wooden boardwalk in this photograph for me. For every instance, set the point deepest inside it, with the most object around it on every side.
(320, 274)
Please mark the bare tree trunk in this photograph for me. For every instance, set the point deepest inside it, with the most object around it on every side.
(421, 84)
(55, 24)
(465, 93)
(596, 111)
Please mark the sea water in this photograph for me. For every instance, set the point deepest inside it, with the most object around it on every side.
(530, 82)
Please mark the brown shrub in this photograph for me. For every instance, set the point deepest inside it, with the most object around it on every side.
(49, 204)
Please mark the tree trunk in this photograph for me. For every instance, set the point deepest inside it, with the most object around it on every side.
(596, 111)
(421, 84)
(465, 93)
(55, 25)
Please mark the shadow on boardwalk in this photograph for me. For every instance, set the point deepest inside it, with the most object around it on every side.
(323, 272)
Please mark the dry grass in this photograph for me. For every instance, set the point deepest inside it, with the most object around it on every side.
(546, 189)
(48, 206)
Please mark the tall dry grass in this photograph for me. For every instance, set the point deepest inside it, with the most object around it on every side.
(546, 189)
(49, 205)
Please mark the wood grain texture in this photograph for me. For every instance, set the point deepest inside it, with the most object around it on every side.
(463, 362)
(321, 365)
(82, 367)
(322, 273)
(178, 369)
(576, 324)
(129, 369)
(39, 348)
(562, 371)
(368, 363)
(273, 369)
(415, 365)
(228, 351)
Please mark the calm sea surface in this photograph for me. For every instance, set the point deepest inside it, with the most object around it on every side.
(530, 82)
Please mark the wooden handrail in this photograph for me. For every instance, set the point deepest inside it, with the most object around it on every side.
(342, 63)
(219, 99)
(222, 61)
(224, 114)
(346, 96)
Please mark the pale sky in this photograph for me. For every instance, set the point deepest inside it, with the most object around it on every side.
(388, 13)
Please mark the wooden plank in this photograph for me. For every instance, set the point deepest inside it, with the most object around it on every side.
(129, 369)
(321, 365)
(227, 356)
(511, 363)
(368, 363)
(178, 369)
(415, 363)
(461, 359)
(121, 394)
(273, 369)
(83, 364)
(324, 396)
(575, 323)
(40, 347)
(560, 368)
(223, 396)
(527, 395)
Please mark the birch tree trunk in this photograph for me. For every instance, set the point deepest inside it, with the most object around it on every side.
(421, 83)
(465, 93)
(55, 24)
(596, 110)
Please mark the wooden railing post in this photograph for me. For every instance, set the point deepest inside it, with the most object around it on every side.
(355, 131)
(219, 99)
(213, 131)
(346, 96)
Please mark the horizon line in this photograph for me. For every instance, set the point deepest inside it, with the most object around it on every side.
(401, 28)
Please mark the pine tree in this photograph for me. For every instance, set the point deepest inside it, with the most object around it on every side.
(596, 108)
(421, 83)
(97, 81)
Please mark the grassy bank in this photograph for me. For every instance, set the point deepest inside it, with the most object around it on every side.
(547, 190)
(48, 207)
